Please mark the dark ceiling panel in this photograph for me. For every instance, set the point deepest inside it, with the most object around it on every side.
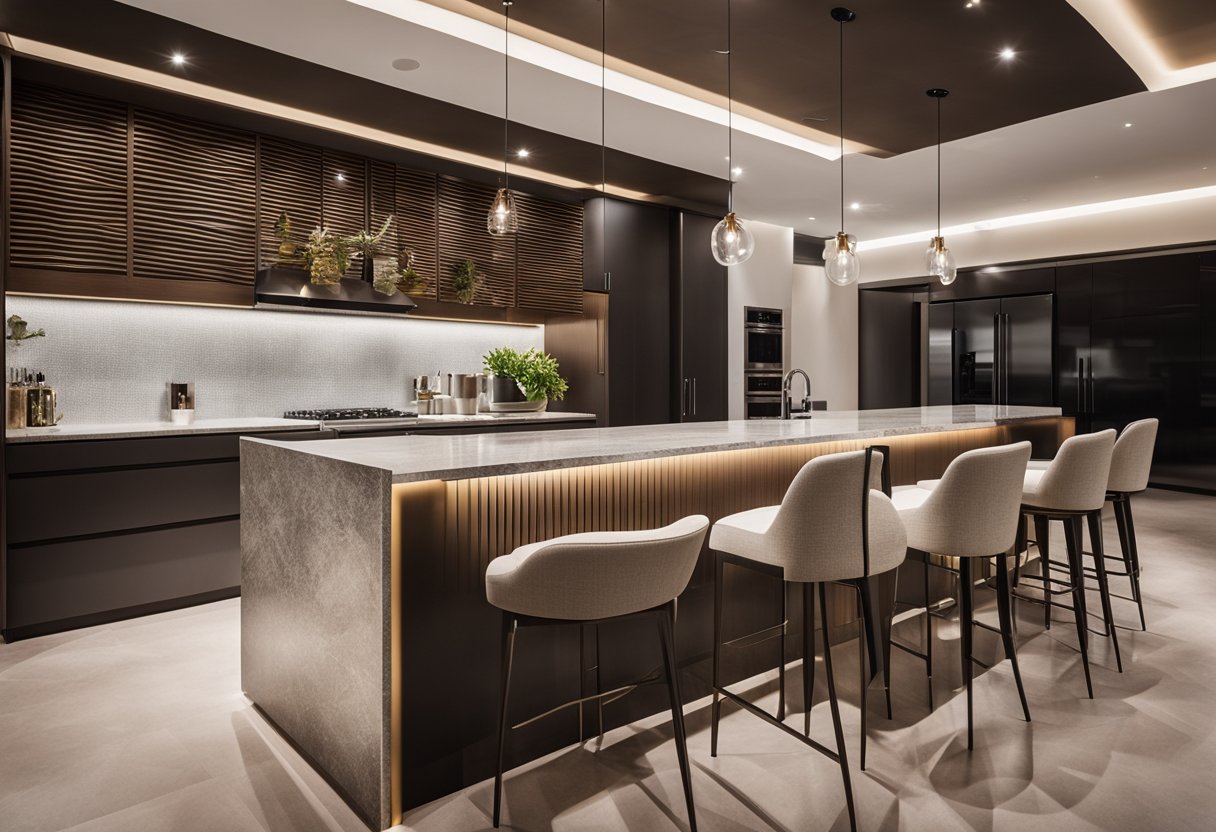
(132, 36)
(1184, 30)
(785, 55)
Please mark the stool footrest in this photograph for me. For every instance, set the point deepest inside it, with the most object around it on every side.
(608, 697)
(758, 637)
(772, 720)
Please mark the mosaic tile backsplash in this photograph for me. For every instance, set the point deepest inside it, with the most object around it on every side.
(112, 361)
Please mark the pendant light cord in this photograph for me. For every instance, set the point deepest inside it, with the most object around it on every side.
(506, 90)
(604, 140)
(730, 122)
(939, 166)
(842, 127)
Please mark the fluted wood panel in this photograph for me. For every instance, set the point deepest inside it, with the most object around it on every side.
(463, 236)
(194, 201)
(549, 255)
(289, 179)
(382, 202)
(344, 197)
(417, 195)
(69, 169)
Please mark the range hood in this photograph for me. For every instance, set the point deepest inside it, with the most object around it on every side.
(291, 288)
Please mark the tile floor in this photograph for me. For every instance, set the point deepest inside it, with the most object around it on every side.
(141, 725)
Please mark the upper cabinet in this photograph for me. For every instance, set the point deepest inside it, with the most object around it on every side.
(110, 200)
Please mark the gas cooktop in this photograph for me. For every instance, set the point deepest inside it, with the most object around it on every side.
(348, 414)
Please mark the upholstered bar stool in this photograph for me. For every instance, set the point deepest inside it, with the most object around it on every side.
(1130, 464)
(832, 525)
(1072, 489)
(971, 512)
(597, 577)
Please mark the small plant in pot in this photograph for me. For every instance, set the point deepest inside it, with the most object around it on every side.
(523, 380)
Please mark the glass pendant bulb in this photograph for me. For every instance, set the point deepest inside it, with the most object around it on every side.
(502, 218)
(731, 242)
(841, 261)
(939, 261)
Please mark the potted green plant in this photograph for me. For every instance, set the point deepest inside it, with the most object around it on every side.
(465, 278)
(530, 377)
(327, 256)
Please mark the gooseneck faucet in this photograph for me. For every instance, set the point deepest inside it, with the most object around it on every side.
(787, 385)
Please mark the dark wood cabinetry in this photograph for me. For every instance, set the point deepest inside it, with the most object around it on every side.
(699, 320)
(112, 200)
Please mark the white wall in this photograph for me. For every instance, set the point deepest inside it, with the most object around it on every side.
(111, 361)
(820, 318)
(1163, 225)
(824, 339)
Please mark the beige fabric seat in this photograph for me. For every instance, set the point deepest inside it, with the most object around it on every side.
(833, 524)
(1130, 465)
(971, 512)
(597, 577)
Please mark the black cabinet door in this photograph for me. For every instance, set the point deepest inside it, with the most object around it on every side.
(700, 382)
(1207, 391)
(1027, 371)
(638, 259)
(1074, 288)
(889, 349)
(941, 353)
(975, 350)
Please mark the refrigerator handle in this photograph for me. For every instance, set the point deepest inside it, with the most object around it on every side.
(694, 395)
(1091, 387)
(953, 365)
(996, 358)
(1007, 349)
(1080, 386)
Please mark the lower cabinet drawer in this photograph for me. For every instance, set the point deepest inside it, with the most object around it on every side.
(52, 506)
(83, 577)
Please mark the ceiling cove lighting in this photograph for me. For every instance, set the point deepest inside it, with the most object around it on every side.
(840, 254)
(731, 242)
(470, 30)
(502, 219)
(939, 261)
(1052, 215)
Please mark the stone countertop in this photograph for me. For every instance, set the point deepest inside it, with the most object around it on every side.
(416, 458)
(135, 430)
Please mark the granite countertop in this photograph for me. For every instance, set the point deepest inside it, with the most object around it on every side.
(133, 430)
(416, 458)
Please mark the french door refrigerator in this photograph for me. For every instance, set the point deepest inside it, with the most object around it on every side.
(992, 351)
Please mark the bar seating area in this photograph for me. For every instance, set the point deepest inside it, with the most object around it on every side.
(840, 522)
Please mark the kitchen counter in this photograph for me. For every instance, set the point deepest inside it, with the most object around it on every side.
(366, 636)
(417, 458)
(135, 430)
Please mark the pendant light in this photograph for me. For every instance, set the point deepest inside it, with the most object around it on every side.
(840, 254)
(502, 218)
(731, 242)
(938, 260)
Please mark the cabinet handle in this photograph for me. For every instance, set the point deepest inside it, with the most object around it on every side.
(683, 398)
(607, 281)
(694, 396)
(1080, 386)
(600, 347)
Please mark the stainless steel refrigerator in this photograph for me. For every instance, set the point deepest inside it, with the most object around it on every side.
(992, 351)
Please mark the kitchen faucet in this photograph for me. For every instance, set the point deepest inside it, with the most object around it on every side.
(786, 406)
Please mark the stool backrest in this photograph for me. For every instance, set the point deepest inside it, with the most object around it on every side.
(591, 575)
(1133, 457)
(973, 511)
(1076, 479)
(817, 534)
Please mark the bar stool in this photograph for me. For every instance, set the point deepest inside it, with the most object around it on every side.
(832, 525)
(971, 512)
(1130, 465)
(597, 577)
(1071, 489)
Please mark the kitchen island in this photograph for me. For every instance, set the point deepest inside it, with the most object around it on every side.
(365, 633)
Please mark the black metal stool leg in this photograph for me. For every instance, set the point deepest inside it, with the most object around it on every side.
(928, 636)
(966, 616)
(1005, 614)
(862, 676)
(808, 653)
(1042, 538)
(1072, 537)
(508, 654)
(1135, 558)
(835, 706)
(719, 565)
(677, 709)
(781, 647)
(1108, 615)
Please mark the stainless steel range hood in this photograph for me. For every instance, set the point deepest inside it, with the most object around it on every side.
(291, 289)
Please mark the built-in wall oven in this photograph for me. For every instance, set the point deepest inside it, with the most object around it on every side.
(763, 362)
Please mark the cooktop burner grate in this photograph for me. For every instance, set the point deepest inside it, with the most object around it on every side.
(347, 414)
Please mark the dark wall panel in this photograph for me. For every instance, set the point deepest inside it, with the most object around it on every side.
(68, 201)
(889, 350)
(194, 200)
(549, 255)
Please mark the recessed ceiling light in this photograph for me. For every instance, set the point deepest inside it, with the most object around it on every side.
(971, 4)
(178, 59)
(1007, 54)
(406, 64)
(856, 206)
(1127, 124)
(810, 218)
(523, 153)
(737, 171)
